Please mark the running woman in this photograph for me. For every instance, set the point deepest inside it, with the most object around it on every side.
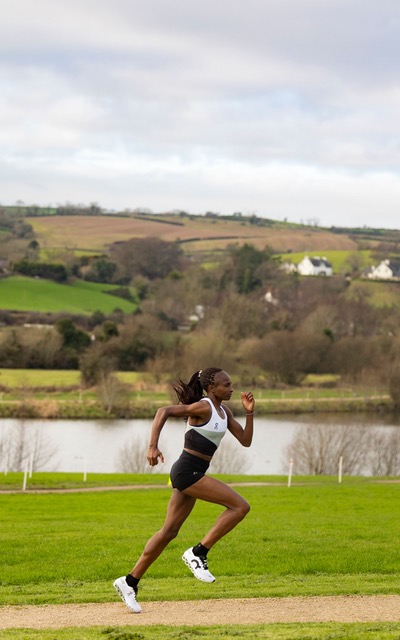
(208, 419)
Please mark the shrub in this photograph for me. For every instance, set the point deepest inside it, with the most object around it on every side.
(49, 270)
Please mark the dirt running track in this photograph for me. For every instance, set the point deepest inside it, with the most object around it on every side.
(207, 612)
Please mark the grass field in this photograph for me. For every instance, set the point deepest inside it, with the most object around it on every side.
(19, 293)
(15, 378)
(145, 384)
(315, 538)
(307, 540)
(378, 294)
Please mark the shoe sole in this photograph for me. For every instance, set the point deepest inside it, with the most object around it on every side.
(118, 590)
(189, 565)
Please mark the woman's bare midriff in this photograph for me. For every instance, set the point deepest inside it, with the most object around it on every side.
(199, 455)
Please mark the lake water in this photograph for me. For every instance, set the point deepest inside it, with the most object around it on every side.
(96, 445)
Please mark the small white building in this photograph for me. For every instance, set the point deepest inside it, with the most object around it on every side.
(385, 270)
(315, 266)
(288, 267)
(270, 298)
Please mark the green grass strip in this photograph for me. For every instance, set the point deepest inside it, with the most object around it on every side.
(298, 631)
(43, 480)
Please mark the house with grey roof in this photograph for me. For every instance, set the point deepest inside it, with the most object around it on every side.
(385, 270)
(315, 266)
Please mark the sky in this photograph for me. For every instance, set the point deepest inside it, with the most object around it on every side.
(287, 109)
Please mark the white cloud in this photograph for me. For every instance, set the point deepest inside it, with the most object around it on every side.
(288, 107)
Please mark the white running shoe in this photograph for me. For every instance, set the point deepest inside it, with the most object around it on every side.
(198, 566)
(127, 594)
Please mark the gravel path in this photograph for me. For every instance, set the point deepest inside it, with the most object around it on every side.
(207, 612)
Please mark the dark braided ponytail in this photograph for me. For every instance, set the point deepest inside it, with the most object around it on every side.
(193, 391)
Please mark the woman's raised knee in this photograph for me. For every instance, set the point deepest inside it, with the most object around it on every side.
(245, 508)
(242, 509)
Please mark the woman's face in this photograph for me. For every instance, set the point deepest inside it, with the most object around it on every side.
(222, 387)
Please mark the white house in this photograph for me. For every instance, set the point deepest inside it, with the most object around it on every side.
(386, 270)
(315, 266)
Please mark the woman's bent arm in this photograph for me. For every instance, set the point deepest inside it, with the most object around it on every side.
(197, 409)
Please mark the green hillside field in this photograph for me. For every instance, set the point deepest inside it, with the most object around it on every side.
(19, 293)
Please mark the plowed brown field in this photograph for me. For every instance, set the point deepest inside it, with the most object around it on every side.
(97, 232)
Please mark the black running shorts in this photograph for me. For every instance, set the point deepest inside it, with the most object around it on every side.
(187, 470)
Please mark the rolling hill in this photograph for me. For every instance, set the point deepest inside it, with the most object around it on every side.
(205, 237)
(19, 293)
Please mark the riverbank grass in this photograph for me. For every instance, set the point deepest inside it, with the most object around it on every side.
(32, 393)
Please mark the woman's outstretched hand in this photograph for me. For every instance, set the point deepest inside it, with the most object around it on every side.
(248, 401)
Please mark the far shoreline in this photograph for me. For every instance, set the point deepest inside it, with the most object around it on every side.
(91, 409)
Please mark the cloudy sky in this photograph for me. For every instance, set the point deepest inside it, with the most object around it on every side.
(283, 108)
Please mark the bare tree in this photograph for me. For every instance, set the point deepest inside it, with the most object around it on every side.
(394, 382)
(136, 256)
(210, 345)
(384, 457)
(23, 443)
(40, 346)
(133, 457)
(317, 449)
(113, 394)
(355, 262)
(229, 459)
(288, 356)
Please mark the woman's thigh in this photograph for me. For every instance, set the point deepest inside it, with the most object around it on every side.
(179, 508)
(213, 490)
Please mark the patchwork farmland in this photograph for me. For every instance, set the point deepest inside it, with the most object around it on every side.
(196, 233)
